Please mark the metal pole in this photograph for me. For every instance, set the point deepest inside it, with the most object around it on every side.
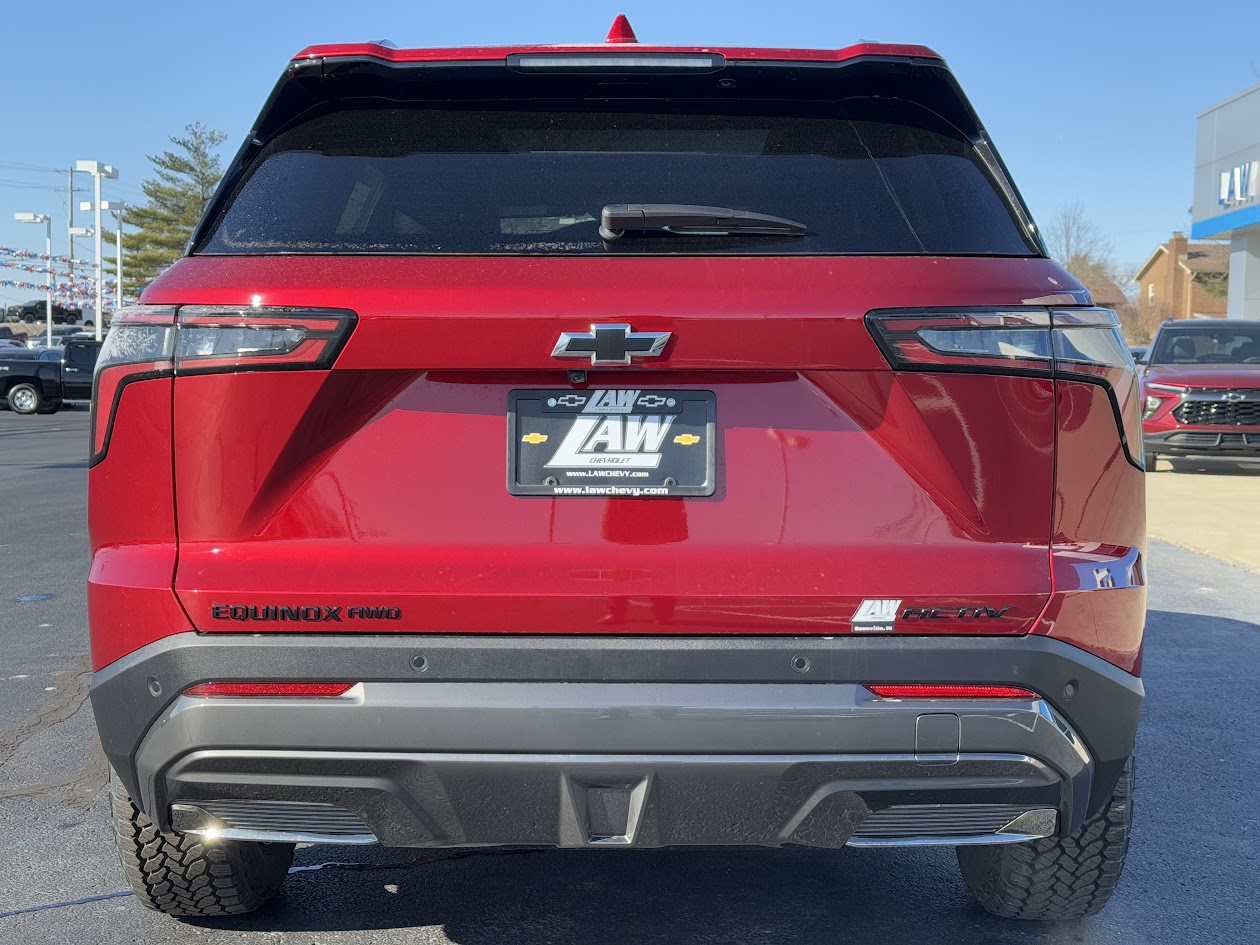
(48, 276)
(70, 219)
(118, 260)
(99, 293)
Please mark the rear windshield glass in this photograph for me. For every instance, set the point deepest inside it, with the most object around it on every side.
(865, 179)
(1239, 345)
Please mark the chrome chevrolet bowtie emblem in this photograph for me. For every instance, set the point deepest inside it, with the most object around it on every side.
(1234, 396)
(610, 344)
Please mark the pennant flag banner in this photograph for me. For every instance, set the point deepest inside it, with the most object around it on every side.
(28, 268)
(59, 276)
(63, 290)
(27, 254)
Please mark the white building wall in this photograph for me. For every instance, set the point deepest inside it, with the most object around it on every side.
(1244, 273)
(1227, 192)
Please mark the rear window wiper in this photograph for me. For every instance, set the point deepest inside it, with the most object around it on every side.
(691, 220)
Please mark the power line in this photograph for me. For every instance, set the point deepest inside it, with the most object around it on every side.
(18, 166)
(129, 190)
(19, 185)
(8, 182)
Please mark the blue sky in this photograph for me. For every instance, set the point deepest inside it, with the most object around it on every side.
(1087, 101)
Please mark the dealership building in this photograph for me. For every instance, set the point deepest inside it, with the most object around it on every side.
(1227, 192)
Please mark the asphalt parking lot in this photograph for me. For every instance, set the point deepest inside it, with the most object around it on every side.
(1190, 876)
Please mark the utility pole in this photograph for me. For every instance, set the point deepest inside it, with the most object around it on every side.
(100, 306)
(70, 219)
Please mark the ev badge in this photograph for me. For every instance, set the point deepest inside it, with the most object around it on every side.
(610, 344)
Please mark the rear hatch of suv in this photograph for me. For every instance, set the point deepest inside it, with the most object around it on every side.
(417, 390)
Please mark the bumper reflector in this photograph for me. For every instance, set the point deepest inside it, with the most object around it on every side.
(951, 692)
(319, 690)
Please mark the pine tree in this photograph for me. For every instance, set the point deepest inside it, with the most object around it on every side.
(183, 182)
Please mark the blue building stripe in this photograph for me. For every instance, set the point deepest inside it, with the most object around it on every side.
(1234, 220)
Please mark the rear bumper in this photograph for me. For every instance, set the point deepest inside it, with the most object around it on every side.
(1203, 441)
(618, 741)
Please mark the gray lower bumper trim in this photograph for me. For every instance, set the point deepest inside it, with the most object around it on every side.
(1229, 441)
(469, 800)
(627, 695)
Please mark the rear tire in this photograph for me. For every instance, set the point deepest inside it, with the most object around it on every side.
(184, 875)
(1149, 460)
(25, 398)
(1059, 877)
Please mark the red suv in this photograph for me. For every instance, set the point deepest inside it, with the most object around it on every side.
(1202, 390)
(617, 446)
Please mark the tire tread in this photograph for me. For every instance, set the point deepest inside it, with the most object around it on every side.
(1059, 877)
(183, 875)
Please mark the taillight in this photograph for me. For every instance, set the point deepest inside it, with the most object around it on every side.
(1088, 346)
(917, 691)
(969, 341)
(157, 341)
(1078, 344)
(140, 345)
(258, 339)
(318, 690)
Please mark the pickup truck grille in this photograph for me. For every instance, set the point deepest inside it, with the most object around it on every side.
(1219, 413)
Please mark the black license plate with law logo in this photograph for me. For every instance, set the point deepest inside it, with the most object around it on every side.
(640, 443)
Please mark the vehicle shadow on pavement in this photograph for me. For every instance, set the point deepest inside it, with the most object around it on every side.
(584, 898)
(1212, 466)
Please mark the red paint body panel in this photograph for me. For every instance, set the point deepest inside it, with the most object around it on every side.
(499, 53)
(380, 483)
(727, 312)
(840, 480)
(1099, 539)
(131, 520)
(834, 482)
(784, 547)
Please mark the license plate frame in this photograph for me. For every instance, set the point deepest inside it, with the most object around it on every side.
(559, 455)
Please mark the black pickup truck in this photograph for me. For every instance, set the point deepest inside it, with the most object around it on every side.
(34, 311)
(34, 380)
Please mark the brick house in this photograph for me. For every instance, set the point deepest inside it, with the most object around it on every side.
(1183, 280)
(1104, 292)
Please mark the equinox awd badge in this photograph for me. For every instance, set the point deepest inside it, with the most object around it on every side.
(610, 344)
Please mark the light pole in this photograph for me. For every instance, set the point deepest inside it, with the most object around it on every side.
(117, 208)
(99, 172)
(45, 219)
(85, 232)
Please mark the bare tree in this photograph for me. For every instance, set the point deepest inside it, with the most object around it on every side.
(1083, 249)
(1076, 241)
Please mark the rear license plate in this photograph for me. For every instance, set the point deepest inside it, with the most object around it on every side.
(611, 442)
